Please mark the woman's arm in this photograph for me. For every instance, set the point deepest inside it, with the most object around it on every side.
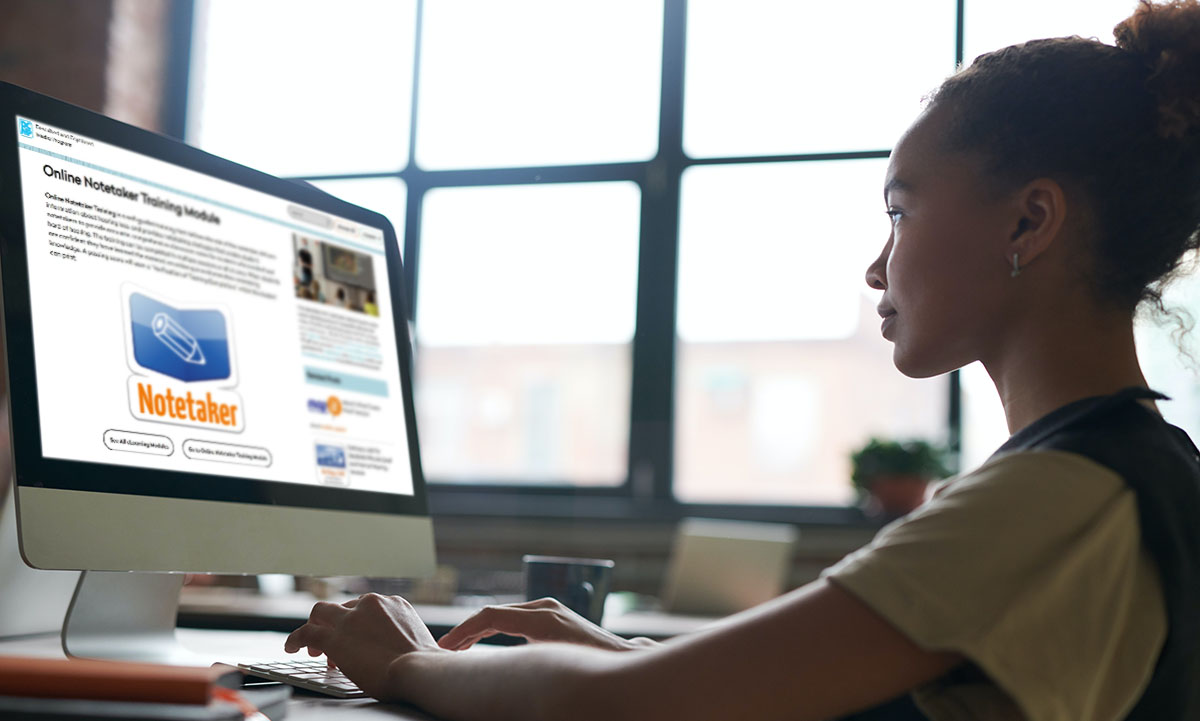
(815, 653)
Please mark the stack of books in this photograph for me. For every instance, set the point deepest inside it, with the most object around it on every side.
(45, 689)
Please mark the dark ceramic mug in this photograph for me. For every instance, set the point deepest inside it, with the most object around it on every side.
(581, 584)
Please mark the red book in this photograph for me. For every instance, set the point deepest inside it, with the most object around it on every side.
(108, 680)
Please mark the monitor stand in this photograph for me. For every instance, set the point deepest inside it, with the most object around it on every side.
(126, 616)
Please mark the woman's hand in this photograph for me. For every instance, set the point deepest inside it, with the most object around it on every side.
(363, 637)
(542, 620)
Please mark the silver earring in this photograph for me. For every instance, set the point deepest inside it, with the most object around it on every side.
(1016, 267)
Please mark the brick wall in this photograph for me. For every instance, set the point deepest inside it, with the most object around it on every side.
(105, 55)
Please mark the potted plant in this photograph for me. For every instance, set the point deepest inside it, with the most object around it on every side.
(891, 476)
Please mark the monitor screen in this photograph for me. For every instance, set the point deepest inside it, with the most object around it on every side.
(208, 369)
(201, 358)
(184, 322)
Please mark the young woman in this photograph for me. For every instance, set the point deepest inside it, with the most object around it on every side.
(1044, 194)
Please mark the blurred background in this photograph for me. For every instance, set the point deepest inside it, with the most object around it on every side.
(634, 231)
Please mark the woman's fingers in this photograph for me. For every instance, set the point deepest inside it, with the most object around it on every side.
(515, 620)
(327, 613)
(311, 635)
(464, 643)
(540, 620)
(468, 632)
(363, 637)
(324, 615)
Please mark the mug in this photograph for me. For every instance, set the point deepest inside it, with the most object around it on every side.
(581, 584)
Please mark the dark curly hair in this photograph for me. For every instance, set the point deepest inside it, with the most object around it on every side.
(1117, 127)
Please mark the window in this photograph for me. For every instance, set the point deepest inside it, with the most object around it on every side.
(617, 220)
(770, 394)
(538, 82)
(525, 317)
(293, 88)
(990, 25)
(865, 65)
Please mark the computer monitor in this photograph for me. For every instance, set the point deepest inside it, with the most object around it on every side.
(209, 371)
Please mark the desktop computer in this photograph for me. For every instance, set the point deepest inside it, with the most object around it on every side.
(208, 370)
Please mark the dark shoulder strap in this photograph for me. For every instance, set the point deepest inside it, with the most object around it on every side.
(1162, 466)
(1072, 413)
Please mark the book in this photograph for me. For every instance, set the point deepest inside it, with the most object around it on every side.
(110, 680)
(271, 702)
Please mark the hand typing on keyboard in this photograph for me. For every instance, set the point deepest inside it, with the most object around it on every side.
(363, 637)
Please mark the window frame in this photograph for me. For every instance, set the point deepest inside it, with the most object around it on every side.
(647, 491)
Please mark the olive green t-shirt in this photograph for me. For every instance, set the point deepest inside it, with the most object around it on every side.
(1031, 567)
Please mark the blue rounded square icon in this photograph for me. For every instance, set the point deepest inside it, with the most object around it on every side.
(26, 127)
(191, 345)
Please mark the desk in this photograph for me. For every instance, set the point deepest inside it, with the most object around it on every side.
(211, 607)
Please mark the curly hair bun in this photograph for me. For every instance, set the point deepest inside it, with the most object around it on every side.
(1167, 36)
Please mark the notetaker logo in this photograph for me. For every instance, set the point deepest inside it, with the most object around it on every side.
(182, 359)
(26, 127)
(191, 345)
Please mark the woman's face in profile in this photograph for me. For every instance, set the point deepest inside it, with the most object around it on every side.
(943, 271)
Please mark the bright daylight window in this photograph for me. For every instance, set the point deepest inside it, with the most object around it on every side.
(293, 88)
(525, 315)
(783, 371)
(772, 77)
(538, 82)
(536, 190)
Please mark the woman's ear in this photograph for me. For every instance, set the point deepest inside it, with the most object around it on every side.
(1040, 213)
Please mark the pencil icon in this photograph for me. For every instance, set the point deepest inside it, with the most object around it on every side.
(176, 337)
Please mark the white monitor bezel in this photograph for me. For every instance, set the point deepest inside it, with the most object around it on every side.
(89, 516)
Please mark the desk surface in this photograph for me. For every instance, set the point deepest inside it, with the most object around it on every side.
(212, 606)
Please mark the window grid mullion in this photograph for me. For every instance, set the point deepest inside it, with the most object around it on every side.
(652, 403)
(651, 437)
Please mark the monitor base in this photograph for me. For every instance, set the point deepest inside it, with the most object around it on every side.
(127, 617)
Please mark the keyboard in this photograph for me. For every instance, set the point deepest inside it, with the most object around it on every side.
(311, 675)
